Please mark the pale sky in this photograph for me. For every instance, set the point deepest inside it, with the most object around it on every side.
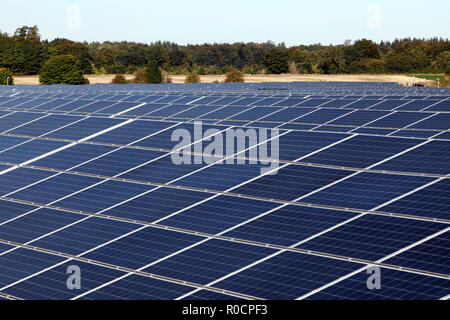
(199, 21)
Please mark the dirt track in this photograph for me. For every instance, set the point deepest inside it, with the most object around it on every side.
(401, 79)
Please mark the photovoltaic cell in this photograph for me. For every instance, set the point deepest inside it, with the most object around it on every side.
(367, 190)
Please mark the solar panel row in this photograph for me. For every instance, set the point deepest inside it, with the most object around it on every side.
(87, 179)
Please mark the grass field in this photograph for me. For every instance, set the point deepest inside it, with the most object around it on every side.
(432, 77)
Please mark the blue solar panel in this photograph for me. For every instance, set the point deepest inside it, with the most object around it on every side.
(21, 263)
(429, 202)
(361, 151)
(218, 214)
(396, 285)
(118, 200)
(139, 209)
(209, 261)
(367, 190)
(17, 119)
(433, 157)
(48, 285)
(289, 225)
(287, 276)
(139, 288)
(291, 182)
(386, 236)
(432, 255)
(143, 247)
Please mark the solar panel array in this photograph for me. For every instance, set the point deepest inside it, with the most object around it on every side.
(86, 179)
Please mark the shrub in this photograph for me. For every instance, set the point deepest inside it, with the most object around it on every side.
(276, 61)
(442, 61)
(397, 63)
(140, 76)
(119, 79)
(332, 61)
(4, 75)
(253, 69)
(131, 69)
(63, 69)
(192, 77)
(368, 66)
(153, 72)
(234, 76)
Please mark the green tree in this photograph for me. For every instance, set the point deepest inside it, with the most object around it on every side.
(367, 49)
(276, 61)
(368, 66)
(192, 77)
(159, 54)
(76, 49)
(304, 60)
(442, 61)
(398, 62)
(333, 61)
(64, 69)
(4, 75)
(153, 72)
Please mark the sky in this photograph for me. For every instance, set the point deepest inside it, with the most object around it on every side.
(294, 22)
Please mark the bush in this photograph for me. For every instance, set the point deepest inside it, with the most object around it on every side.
(234, 76)
(140, 76)
(398, 63)
(253, 69)
(4, 75)
(119, 79)
(192, 77)
(153, 72)
(442, 61)
(131, 69)
(276, 61)
(332, 61)
(368, 66)
(64, 69)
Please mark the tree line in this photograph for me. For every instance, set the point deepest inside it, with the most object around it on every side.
(24, 52)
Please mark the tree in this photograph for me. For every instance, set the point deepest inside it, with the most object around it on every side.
(153, 72)
(442, 61)
(192, 77)
(159, 54)
(304, 60)
(4, 75)
(76, 49)
(119, 79)
(368, 66)
(276, 61)
(140, 76)
(234, 76)
(64, 69)
(398, 62)
(367, 49)
(333, 61)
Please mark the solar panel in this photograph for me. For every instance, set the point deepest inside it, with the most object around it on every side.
(360, 177)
